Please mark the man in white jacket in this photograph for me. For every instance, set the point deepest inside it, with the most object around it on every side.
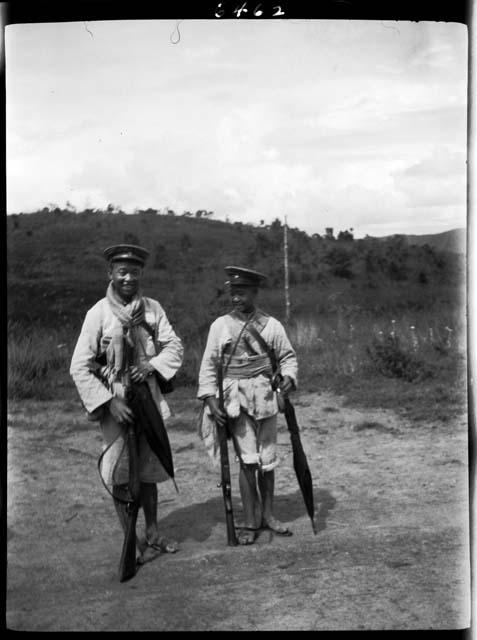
(125, 314)
(251, 405)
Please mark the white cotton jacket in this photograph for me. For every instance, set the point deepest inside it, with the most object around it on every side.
(100, 322)
(254, 395)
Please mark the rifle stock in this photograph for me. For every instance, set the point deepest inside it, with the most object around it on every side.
(127, 563)
(225, 467)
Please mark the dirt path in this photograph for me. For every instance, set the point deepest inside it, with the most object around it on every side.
(391, 551)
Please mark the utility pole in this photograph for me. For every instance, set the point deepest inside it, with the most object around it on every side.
(285, 260)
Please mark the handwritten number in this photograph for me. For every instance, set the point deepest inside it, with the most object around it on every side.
(241, 9)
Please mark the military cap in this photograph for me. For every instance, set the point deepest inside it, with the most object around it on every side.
(130, 252)
(244, 277)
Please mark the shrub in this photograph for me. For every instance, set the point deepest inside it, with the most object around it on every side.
(37, 364)
(393, 361)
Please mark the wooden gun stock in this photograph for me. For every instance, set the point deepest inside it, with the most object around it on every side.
(225, 468)
(226, 487)
(127, 563)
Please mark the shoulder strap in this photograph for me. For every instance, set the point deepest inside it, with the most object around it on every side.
(145, 325)
(230, 319)
(260, 319)
(265, 346)
(259, 338)
(149, 329)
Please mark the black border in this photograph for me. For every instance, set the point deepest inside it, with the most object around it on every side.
(415, 10)
(459, 11)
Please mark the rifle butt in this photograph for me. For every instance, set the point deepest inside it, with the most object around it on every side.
(128, 563)
(226, 484)
(229, 516)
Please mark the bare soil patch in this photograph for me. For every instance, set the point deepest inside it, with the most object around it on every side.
(391, 550)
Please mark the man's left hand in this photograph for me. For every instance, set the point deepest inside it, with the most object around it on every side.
(139, 374)
(287, 385)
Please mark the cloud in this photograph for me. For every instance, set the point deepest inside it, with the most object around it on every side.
(437, 180)
(443, 163)
(334, 124)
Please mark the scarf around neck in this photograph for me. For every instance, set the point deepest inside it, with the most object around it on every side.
(125, 338)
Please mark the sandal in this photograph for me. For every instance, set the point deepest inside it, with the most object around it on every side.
(167, 546)
(150, 550)
(246, 535)
(278, 529)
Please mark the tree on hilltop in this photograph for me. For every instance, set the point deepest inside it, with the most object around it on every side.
(346, 236)
(203, 213)
(113, 208)
(147, 212)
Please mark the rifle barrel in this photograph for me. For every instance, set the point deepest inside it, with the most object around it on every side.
(127, 563)
(225, 467)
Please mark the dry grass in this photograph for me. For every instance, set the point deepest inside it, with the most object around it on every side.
(37, 363)
(415, 364)
(411, 362)
(353, 346)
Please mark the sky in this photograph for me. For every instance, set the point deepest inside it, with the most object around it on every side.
(333, 123)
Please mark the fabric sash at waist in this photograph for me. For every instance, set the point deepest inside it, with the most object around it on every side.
(249, 367)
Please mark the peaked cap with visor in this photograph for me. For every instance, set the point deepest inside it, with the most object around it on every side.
(244, 277)
(128, 252)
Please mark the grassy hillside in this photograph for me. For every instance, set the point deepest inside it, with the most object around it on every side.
(56, 269)
(359, 307)
(453, 241)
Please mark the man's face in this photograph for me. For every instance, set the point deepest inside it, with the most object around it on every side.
(243, 298)
(126, 277)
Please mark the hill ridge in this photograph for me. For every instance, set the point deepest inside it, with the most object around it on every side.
(453, 240)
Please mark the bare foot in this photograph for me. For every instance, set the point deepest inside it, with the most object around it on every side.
(277, 527)
(167, 545)
(150, 550)
(246, 535)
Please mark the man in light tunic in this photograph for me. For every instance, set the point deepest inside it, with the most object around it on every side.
(125, 314)
(251, 405)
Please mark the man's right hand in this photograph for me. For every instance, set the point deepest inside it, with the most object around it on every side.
(219, 416)
(120, 410)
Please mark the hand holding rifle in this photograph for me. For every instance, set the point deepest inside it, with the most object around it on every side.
(286, 385)
(120, 410)
(282, 385)
(220, 416)
(139, 374)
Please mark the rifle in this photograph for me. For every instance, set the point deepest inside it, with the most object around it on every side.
(222, 433)
(127, 563)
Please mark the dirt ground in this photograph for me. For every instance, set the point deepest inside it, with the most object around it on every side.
(391, 551)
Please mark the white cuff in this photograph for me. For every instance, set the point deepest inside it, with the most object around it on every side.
(165, 371)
